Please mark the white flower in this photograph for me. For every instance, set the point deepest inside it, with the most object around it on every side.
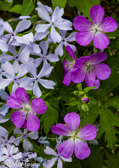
(50, 163)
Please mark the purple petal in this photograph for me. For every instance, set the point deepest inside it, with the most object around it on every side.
(78, 75)
(84, 38)
(21, 95)
(88, 132)
(81, 61)
(100, 40)
(91, 80)
(82, 24)
(82, 150)
(66, 148)
(33, 122)
(70, 51)
(97, 58)
(60, 129)
(38, 106)
(13, 102)
(67, 79)
(66, 66)
(18, 118)
(72, 120)
(97, 14)
(102, 71)
(108, 25)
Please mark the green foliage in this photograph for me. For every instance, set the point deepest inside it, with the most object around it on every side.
(27, 7)
(49, 118)
(16, 9)
(83, 5)
(114, 161)
(5, 6)
(60, 3)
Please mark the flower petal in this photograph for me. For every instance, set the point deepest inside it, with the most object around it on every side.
(70, 51)
(33, 122)
(42, 28)
(57, 14)
(71, 37)
(23, 25)
(43, 13)
(78, 75)
(33, 135)
(59, 164)
(59, 49)
(44, 45)
(3, 46)
(50, 163)
(36, 89)
(82, 150)
(18, 118)
(38, 106)
(97, 58)
(9, 70)
(13, 102)
(66, 148)
(84, 38)
(81, 23)
(96, 14)
(108, 25)
(50, 151)
(55, 35)
(102, 71)
(47, 83)
(100, 40)
(91, 80)
(72, 120)
(88, 132)
(60, 129)
(21, 95)
(67, 79)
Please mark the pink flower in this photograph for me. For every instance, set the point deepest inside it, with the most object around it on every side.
(94, 30)
(26, 113)
(76, 138)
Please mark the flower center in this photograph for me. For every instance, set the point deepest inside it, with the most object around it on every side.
(69, 65)
(27, 109)
(88, 67)
(95, 28)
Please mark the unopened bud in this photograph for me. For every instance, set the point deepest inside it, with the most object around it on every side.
(85, 99)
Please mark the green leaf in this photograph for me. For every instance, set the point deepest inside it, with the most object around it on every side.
(16, 9)
(95, 160)
(87, 89)
(114, 161)
(60, 3)
(83, 6)
(114, 102)
(72, 102)
(49, 118)
(4, 6)
(27, 7)
(108, 121)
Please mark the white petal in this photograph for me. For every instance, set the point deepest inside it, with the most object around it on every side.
(27, 145)
(50, 163)
(22, 70)
(4, 83)
(46, 70)
(17, 141)
(24, 54)
(57, 14)
(17, 131)
(44, 45)
(36, 89)
(39, 36)
(43, 13)
(60, 164)
(52, 58)
(55, 35)
(3, 131)
(50, 151)
(42, 28)
(3, 46)
(8, 68)
(64, 24)
(71, 37)
(47, 83)
(33, 135)
(59, 49)
(22, 25)
(32, 68)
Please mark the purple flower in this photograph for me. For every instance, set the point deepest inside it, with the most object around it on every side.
(93, 31)
(90, 69)
(25, 115)
(55, 20)
(76, 138)
(68, 66)
(85, 99)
